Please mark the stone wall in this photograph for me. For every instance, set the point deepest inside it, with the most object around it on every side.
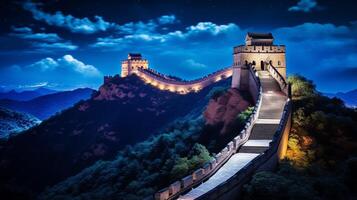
(231, 189)
(266, 161)
(182, 87)
(284, 86)
(209, 168)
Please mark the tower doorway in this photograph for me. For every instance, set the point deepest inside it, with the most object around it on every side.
(262, 65)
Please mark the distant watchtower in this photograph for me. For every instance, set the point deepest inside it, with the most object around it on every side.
(132, 64)
(259, 52)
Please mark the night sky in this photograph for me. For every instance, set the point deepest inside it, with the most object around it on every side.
(66, 44)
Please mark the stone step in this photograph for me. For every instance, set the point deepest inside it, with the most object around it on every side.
(267, 121)
(263, 131)
(250, 149)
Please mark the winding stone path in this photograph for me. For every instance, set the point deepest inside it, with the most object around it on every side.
(273, 101)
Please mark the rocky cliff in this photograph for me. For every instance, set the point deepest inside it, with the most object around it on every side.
(225, 108)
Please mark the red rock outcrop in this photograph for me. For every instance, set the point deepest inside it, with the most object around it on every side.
(225, 109)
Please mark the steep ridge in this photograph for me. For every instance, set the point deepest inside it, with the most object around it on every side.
(122, 112)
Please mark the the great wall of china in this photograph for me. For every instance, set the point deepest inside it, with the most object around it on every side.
(261, 143)
(182, 87)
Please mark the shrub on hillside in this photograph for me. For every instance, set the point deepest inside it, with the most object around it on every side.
(301, 87)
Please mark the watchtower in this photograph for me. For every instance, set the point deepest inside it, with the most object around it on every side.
(259, 51)
(133, 63)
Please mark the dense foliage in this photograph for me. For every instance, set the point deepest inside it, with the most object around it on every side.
(12, 122)
(321, 160)
(140, 170)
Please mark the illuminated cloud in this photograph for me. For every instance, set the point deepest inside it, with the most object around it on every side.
(167, 19)
(75, 25)
(88, 26)
(304, 6)
(78, 66)
(201, 31)
(68, 62)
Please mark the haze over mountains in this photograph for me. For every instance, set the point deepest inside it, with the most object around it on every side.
(26, 95)
(47, 102)
(350, 98)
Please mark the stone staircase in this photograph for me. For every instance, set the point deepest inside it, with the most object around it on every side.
(264, 128)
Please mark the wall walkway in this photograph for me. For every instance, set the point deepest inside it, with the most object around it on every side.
(257, 147)
(182, 87)
(264, 128)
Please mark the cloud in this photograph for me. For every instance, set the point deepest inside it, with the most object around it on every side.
(304, 6)
(167, 19)
(67, 61)
(45, 64)
(87, 26)
(137, 27)
(50, 47)
(78, 66)
(41, 42)
(64, 72)
(75, 25)
(26, 33)
(34, 85)
(314, 48)
(210, 27)
(201, 31)
(21, 29)
(193, 63)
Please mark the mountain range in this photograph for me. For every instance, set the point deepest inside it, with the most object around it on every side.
(350, 98)
(46, 105)
(122, 112)
(26, 95)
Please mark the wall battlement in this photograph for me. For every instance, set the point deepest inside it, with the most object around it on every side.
(259, 49)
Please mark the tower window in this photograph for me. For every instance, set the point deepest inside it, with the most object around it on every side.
(279, 62)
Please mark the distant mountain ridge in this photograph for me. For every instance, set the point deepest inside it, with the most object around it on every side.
(26, 95)
(350, 98)
(12, 122)
(47, 105)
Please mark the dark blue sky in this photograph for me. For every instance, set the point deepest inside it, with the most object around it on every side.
(66, 44)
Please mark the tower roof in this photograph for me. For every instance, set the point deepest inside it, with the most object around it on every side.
(134, 56)
(262, 39)
(260, 35)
